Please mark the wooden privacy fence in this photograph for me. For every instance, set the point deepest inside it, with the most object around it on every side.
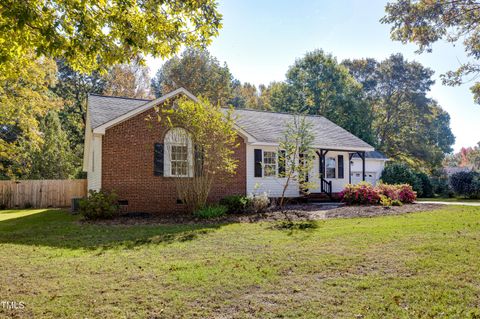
(41, 193)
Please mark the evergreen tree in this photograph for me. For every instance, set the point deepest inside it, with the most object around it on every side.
(54, 158)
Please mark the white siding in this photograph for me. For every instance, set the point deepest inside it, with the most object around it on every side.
(94, 172)
(337, 183)
(273, 186)
(372, 166)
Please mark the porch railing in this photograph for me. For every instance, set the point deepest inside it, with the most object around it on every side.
(326, 187)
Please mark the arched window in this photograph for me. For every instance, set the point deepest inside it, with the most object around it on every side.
(178, 153)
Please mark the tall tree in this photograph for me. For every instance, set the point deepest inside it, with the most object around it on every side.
(74, 88)
(24, 98)
(197, 71)
(94, 34)
(245, 95)
(54, 159)
(467, 157)
(407, 125)
(317, 84)
(128, 80)
(424, 22)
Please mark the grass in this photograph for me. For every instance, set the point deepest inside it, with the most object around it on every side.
(422, 265)
(449, 199)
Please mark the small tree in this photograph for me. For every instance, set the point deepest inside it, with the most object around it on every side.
(214, 139)
(296, 155)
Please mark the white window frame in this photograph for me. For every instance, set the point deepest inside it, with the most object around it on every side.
(335, 168)
(177, 137)
(177, 161)
(270, 164)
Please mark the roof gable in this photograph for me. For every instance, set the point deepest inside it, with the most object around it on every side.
(128, 108)
(107, 108)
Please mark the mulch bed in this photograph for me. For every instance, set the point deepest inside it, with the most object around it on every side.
(299, 212)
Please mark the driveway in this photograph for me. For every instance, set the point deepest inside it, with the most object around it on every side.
(450, 203)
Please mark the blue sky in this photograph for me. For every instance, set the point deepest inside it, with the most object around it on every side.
(261, 39)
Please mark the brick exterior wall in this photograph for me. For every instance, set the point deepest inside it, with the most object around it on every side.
(127, 168)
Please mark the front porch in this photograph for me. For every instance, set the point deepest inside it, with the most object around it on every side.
(330, 169)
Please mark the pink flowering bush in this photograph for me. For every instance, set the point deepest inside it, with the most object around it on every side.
(360, 194)
(389, 190)
(406, 194)
(385, 194)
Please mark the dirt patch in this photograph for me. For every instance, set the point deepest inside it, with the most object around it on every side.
(371, 211)
(299, 212)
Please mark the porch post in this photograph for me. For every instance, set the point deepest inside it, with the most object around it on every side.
(362, 156)
(363, 166)
(350, 156)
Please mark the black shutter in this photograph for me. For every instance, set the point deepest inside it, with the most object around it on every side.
(198, 154)
(158, 159)
(340, 166)
(281, 163)
(258, 162)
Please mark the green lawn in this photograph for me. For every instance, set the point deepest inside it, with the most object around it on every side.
(423, 265)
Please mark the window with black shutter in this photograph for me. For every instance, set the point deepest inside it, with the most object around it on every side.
(340, 166)
(158, 159)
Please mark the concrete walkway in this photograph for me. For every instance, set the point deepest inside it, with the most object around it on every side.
(451, 203)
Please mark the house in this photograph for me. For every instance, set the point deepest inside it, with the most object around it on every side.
(140, 161)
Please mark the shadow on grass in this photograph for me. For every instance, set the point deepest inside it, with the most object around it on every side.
(57, 228)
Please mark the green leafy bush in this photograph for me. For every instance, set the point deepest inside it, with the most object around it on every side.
(441, 185)
(426, 183)
(99, 205)
(235, 203)
(401, 173)
(211, 211)
(466, 184)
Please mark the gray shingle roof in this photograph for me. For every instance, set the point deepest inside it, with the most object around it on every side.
(269, 127)
(106, 108)
(373, 155)
(263, 126)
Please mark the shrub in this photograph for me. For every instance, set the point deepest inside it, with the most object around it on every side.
(99, 205)
(396, 202)
(441, 185)
(258, 202)
(211, 211)
(235, 203)
(384, 194)
(426, 183)
(401, 173)
(390, 191)
(466, 184)
(362, 193)
(406, 194)
(385, 201)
